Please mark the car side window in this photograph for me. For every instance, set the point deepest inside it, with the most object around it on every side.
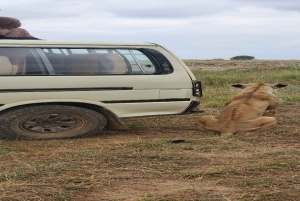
(82, 61)
(20, 61)
(98, 61)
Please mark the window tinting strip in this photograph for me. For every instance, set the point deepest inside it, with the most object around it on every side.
(137, 61)
(46, 61)
(39, 61)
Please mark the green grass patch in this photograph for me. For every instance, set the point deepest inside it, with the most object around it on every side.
(7, 150)
(259, 182)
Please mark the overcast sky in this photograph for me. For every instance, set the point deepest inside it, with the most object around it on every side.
(192, 29)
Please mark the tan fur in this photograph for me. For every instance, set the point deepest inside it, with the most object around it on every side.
(252, 110)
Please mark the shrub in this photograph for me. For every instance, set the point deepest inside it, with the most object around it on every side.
(242, 57)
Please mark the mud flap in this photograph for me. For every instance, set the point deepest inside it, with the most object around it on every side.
(113, 121)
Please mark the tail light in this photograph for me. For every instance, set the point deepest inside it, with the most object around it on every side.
(197, 89)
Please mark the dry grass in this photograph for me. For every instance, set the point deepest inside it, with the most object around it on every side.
(145, 164)
(240, 64)
(158, 159)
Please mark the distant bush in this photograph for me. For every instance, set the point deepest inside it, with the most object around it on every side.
(218, 59)
(242, 57)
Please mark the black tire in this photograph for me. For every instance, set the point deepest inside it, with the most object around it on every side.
(50, 122)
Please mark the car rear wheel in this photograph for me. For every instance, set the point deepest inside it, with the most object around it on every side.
(50, 122)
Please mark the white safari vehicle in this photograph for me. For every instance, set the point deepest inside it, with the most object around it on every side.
(60, 89)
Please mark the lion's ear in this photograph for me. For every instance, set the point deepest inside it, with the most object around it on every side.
(241, 86)
(279, 85)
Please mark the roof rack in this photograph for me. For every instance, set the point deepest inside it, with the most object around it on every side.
(16, 38)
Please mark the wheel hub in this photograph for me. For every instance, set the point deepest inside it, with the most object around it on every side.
(51, 123)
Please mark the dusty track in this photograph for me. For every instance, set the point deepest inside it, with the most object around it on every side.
(144, 163)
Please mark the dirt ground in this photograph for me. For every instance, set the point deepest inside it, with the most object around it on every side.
(203, 166)
(160, 158)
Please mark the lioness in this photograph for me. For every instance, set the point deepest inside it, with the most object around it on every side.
(252, 110)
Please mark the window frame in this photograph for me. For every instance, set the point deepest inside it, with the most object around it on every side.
(45, 65)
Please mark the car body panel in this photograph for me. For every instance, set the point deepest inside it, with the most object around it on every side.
(125, 95)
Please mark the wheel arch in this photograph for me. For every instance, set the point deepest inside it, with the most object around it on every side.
(113, 121)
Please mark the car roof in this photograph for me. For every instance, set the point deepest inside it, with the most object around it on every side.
(36, 43)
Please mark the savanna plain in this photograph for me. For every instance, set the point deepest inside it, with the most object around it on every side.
(165, 158)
